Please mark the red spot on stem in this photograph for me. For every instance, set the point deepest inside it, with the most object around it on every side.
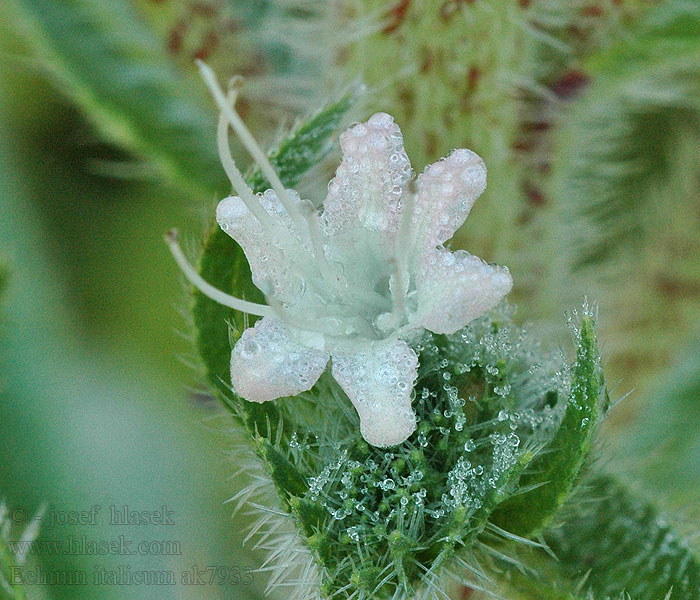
(536, 125)
(473, 78)
(569, 84)
(176, 36)
(592, 11)
(428, 61)
(535, 197)
(396, 16)
(208, 45)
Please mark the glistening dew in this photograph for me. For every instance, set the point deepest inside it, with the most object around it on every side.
(358, 282)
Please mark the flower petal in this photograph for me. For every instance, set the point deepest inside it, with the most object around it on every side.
(446, 192)
(371, 179)
(271, 264)
(269, 362)
(379, 382)
(455, 288)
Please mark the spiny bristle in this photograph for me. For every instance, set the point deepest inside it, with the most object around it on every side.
(361, 529)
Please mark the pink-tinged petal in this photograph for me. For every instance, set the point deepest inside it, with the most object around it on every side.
(446, 192)
(455, 288)
(371, 179)
(379, 382)
(269, 261)
(268, 362)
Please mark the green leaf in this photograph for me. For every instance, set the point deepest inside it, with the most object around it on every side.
(626, 546)
(105, 57)
(13, 555)
(552, 475)
(4, 276)
(614, 545)
(662, 447)
(288, 480)
(223, 263)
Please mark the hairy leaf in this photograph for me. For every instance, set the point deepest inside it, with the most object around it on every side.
(614, 545)
(626, 546)
(663, 445)
(552, 475)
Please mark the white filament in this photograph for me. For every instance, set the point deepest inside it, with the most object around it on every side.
(234, 174)
(209, 290)
(297, 322)
(249, 142)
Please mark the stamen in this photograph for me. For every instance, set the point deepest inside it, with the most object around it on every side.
(239, 184)
(249, 142)
(209, 290)
(252, 202)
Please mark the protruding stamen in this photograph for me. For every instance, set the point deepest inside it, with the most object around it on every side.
(239, 184)
(251, 200)
(249, 142)
(209, 290)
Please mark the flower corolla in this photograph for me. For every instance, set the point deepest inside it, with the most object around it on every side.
(356, 281)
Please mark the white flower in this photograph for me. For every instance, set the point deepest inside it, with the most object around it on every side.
(357, 281)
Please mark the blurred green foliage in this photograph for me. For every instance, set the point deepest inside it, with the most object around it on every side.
(4, 276)
(662, 448)
(94, 406)
(82, 426)
(626, 192)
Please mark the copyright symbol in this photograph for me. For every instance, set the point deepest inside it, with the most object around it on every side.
(18, 515)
